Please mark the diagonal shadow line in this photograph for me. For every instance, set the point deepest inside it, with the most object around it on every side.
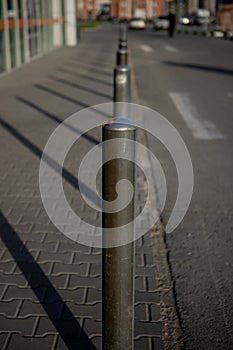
(56, 119)
(78, 86)
(201, 67)
(93, 197)
(84, 76)
(70, 99)
(90, 68)
(98, 61)
(59, 94)
(68, 327)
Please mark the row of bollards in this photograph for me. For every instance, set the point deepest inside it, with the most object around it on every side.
(122, 52)
(122, 77)
(118, 261)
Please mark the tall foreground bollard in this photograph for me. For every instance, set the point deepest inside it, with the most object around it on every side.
(118, 262)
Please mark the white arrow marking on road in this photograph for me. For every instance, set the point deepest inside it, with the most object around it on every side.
(170, 48)
(146, 48)
(201, 129)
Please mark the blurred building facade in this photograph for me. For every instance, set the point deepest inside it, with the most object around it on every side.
(91, 9)
(137, 8)
(31, 28)
(224, 18)
(87, 9)
(194, 5)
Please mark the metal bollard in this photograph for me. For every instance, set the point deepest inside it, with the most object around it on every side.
(122, 91)
(123, 32)
(121, 57)
(118, 262)
(123, 37)
(123, 45)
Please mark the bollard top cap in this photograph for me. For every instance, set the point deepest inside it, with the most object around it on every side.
(120, 124)
(123, 44)
(122, 68)
(123, 50)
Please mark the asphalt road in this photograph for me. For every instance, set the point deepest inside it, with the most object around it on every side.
(189, 80)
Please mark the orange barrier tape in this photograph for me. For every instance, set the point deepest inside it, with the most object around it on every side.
(31, 22)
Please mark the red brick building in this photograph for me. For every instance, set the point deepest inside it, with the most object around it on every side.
(130, 8)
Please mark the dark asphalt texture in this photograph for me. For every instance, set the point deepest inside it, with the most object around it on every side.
(200, 249)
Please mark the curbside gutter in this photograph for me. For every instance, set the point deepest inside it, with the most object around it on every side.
(172, 334)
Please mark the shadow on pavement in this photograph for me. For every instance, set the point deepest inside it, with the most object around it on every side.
(67, 326)
(94, 66)
(201, 67)
(56, 119)
(78, 86)
(84, 76)
(93, 197)
(91, 68)
(59, 94)
(72, 100)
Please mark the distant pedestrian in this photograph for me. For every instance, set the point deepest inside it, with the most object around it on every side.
(172, 23)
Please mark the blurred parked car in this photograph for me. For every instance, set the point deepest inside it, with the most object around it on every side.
(137, 23)
(161, 22)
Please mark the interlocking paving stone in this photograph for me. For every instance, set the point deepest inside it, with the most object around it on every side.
(141, 312)
(70, 327)
(7, 267)
(157, 343)
(81, 311)
(154, 311)
(22, 326)
(77, 281)
(18, 280)
(19, 256)
(142, 343)
(9, 309)
(29, 308)
(93, 296)
(146, 297)
(32, 343)
(30, 268)
(3, 340)
(57, 257)
(77, 295)
(148, 328)
(80, 269)
(14, 292)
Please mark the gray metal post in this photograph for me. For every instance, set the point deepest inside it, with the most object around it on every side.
(123, 37)
(122, 91)
(118, 262)
(123, 44)
(123, 32)
(121, 57)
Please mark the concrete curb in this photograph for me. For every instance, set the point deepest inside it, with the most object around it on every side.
(213, 33)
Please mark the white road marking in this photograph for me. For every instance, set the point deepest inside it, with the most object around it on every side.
(170, 48)
(146, 48)
(201, 129)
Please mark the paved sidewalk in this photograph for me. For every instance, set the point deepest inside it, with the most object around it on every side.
(50, 287)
